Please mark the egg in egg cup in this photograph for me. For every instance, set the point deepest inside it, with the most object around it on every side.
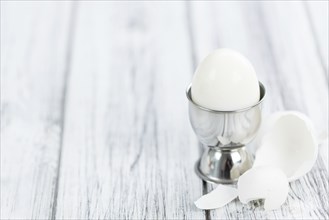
(224, 135)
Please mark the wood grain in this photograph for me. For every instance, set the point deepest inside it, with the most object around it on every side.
(128, 149)
(33, 64)
(94, 121)
(318, 16)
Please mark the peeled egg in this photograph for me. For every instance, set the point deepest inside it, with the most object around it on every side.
(265, 182)
(288, 142)
(225, 81)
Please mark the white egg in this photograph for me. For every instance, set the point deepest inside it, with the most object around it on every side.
(225, 81)
(288, 141)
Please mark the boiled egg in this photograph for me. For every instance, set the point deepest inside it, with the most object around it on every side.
(225, 81)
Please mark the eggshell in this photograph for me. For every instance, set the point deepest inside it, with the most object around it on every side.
(266, 182)
(288, 142)
(217, 198)
(225, 80)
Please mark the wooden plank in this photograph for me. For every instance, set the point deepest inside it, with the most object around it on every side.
(33, 62)
(129, 151)
(278, 40)
(318, 16)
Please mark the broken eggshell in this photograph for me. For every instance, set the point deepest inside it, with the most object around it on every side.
(287, 150)
(268, 183)
(265, 182)
(217, 198)
(287, 142)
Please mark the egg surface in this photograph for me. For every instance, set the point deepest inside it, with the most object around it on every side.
(225, 81)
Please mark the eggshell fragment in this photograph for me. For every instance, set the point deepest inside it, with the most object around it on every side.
(217, 198)
(288, 143)
(268, 183)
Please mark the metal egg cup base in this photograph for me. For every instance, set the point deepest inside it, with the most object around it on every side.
(223, 166)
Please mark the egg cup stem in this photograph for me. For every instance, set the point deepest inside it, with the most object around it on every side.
(225, 166)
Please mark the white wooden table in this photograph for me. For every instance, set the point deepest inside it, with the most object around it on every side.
(94, 120)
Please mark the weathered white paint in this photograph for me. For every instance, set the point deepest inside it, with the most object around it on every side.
(128, 148)
(33, 64)
(94, 117)
(317, 12)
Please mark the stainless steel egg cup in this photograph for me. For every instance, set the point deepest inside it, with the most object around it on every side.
(224, 135)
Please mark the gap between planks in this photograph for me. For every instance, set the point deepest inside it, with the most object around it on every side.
(194, 65)
(67, 70)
